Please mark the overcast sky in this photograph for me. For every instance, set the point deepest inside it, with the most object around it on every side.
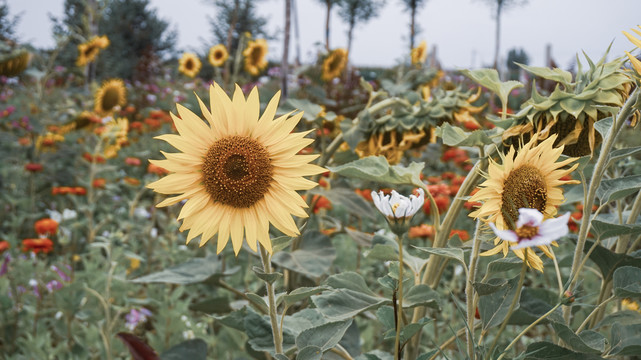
(462, 30)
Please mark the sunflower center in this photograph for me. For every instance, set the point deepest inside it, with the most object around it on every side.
(110, 99)
(527, 231)
(189, 64)
(218, 55)
(257, 55)
(335, 64)
(525, 187)
(237, 171)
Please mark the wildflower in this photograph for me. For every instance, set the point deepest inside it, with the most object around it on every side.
(33, 167)
(132, 161)
(4, 245)
(79, 190)
(5, 263)
(189, 64)
(44, 245)
(334, 64)
(531, 230)
(255, 54)
(131, 181)
(398, 209)
(46, 227)
(462, 234)
(422, 231)
(136, 317)
(99, 183)
(217, 55)
(238, 172)
(155, 169)
(419, 53)
(111, 95)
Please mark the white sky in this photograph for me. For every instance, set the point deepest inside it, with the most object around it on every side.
(463, 30)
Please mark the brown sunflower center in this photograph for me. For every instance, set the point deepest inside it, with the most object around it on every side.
(256, 55)
(335, 63)
(525, 187)
(237, 171)
(90, 50)
(527, 231)
(110, 99)
(189, 64)
(218, 54)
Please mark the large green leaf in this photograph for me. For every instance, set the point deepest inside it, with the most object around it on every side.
(556, 74)
(609, 261)
(349, 280)
(615, 189)
(493, 307)
(195, 349)
(259, 332)
(627, 282)
(455, 136)
(193, 271)
(421, 295)
(587, 341)
(535, 302)
(341, 304)
(489, 78)
(622, 153)
(302, 293)
(313, 258)
(504, 264)
(310, 353)
(624, 317)
(544, 350)
(606, 230)
(450, 253)
(325, 336)
(625, 340)
(215, 305)
(376, 168)
(353, 202)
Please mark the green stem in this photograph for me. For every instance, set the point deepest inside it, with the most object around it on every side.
(515, 300)
(594, 312)
(399, 316)
(624, 241)
(469, 289)
(597, 175)
(267, 268)
(528, 329)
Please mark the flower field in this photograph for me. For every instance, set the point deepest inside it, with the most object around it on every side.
(223, 206)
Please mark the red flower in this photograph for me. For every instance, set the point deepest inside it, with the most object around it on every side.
(421, 231)
(471, 125)
(44, 245)
(64, 190)
(321, 203)
(464, 235)
(46, 227)
(99, 183)
(131, 181)
(133, 161)
(79, 190)
(573, 222)
(33, 167)
(4, 245)
(366, 193)
(155, 169)
(135, 125)
(442, 203)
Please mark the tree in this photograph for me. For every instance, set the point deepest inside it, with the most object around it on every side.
(516, 56)
(412, 6)
(139, 39)
(328, 5)
(233, 19)
(498, 6)
(7, 23)
(357, 11)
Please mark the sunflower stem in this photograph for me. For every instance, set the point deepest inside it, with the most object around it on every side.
(515, 300)
(528, 329)
(594, 312)
(399, 317)
(469, 289)
(267, 268)
(597, 175)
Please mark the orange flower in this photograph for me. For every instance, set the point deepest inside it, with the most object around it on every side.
(99, 183)
(442, 203)
(464, 235)
(155, 169)
(321, 203)
(133, 161)
(472, 204)
(422, 231)
(46, 226)
(24, 141)
(323, 183)
(44, 245)
(573, 223)
(97, 159)
(4, 245)
(154, 124)
(79, 190)
(33, 167)
(62, 190)
(366, 193)
(131, 181)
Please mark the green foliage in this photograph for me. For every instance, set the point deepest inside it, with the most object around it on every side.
(238, 17)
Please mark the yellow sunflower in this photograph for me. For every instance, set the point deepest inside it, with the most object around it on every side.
(14, 63)
(112, 93)
(189, 64)
(636, 64)
(334, 64)
(419, 53)
(114, 135)
(88, 51)
(531, 179)
(238, 172)
(218, 55)
(255, 54)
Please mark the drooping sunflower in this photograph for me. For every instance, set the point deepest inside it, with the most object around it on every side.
(255, 54)
(189, 64)
(88, 51)
(334, 64)
(238, 172)
(419, 53)
(527, 178)
(218, 55)
(14, 62)
(112, 93)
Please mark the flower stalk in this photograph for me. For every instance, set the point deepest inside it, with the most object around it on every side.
(271, 296)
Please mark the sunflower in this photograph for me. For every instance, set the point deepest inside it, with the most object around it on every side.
(112, 93)
(238, 172)
(15, 62)
(531, 179)
(218, 55)
(334, 64)
(189, 64)
(255, 56)
(88, 51)
(419, 53)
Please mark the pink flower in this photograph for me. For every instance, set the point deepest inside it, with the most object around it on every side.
(531, 230)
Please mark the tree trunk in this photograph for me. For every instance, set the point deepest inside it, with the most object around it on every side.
(285, 62)
(296, 33)
(497, 39)
(329, 12)
(413, 25)
(230, 36)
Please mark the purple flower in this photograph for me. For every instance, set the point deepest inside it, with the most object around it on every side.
(5, 264)
(135, 317)
(34, 285)
(61, 273)
(531, 230)
(54, 285)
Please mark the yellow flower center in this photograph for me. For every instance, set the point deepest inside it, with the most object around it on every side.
(237, 171)
(394, 207)
(527, 231)
(110, 98)
(525, 187)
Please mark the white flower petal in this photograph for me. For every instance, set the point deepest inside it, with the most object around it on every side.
(530, 217)
(555, 228)
(508, 235)
(537, 240)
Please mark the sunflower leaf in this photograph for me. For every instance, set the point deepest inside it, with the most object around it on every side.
(190, 272)
(614, 189)
(268, 278)
(547, 350)
(325, 336)
(313, 259)
(603, 126)
(194, 349)
(489, 78)
(622, 153)
(450, 253)
(494, 307)
(627, 282)
(376, 168)
(626, 340)
(455, 136)
(605, 230)
(609, 261)
(587, 341)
